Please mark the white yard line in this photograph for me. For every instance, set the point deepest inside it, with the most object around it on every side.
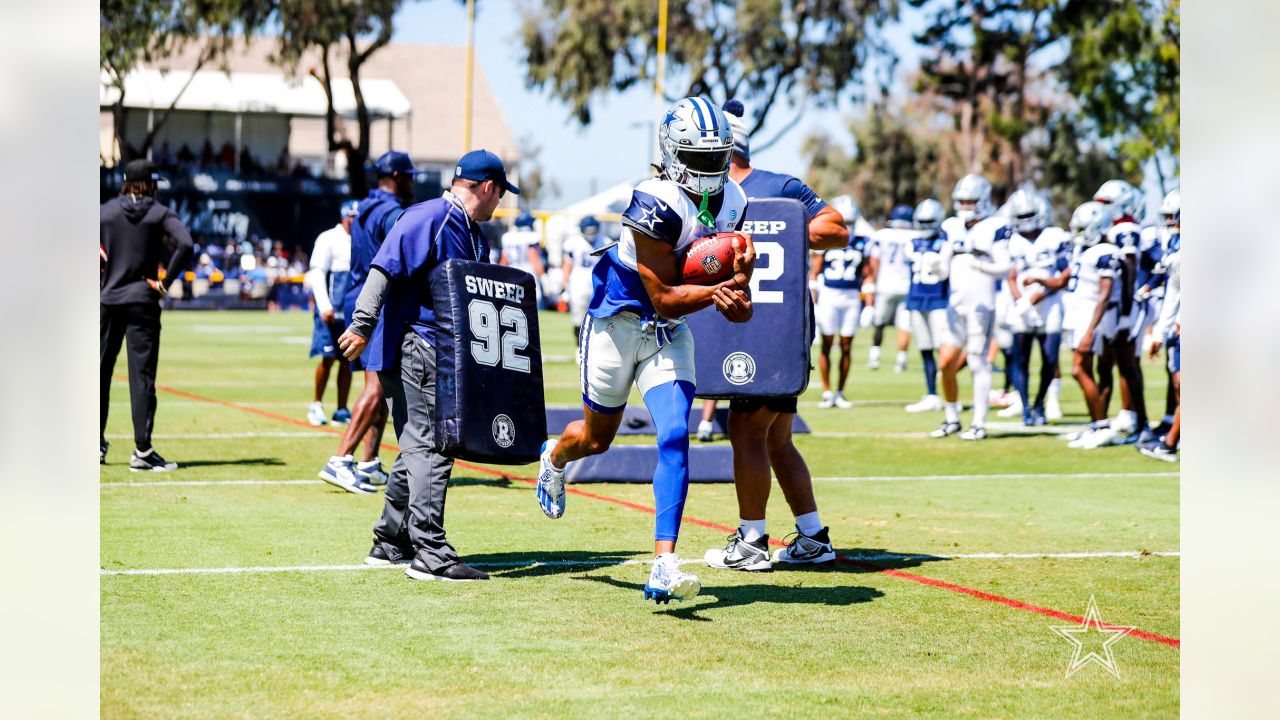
(200, 483)
(881, 557)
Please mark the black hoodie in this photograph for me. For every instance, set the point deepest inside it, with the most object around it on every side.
(135, 231)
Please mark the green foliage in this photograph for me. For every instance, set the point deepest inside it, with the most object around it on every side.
(758, 51)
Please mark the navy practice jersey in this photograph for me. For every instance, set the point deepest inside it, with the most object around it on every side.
(928, 291)
(842, 267)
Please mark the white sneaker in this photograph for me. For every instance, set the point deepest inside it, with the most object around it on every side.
(928, 403)
(842, 403)
(550, 491)
(873, 364)
(999, 398)
(828, 400)
(975, 432)
(371, 472)
(1095, 439)
(1013, 411)
(667, 582)
(900, 367)
(340, 471)
(315, 414)
(1125, 427)
(1052, 409)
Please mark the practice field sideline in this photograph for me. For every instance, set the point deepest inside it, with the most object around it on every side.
(224, 591)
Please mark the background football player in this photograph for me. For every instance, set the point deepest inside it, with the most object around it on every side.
(928, 298)
(975, 257)
(579, 262)
(837, 277)
(635, 332)
(522, 249)
(890, 282)
(1168, 332)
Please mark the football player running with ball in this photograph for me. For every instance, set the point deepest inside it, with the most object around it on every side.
(635, 331)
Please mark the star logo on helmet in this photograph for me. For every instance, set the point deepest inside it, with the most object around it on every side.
(669, 118)
(650, 217)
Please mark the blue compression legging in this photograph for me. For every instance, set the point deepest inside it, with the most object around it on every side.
(1020, 364)
(669, 405)
(930, 371)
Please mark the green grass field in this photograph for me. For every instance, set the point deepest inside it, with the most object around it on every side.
(561, 630)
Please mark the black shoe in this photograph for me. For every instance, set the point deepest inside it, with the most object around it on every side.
(453, 572)
(806, 549)
(738, 554)
(151, 461)
(1161, 452)
(102, 459)
(379, 556)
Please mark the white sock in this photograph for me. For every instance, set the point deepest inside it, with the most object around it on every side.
(952, 411)
(875, 354)
(1055, 387)
(705, 426)
(826, 394)
(317, 405)
(981, 387)
(808, 524)
(1126, 418)
(368, 464)
(902, 357)
(752, 530)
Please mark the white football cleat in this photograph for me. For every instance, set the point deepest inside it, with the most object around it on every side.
(706, 431)
(975, 432)
(315, 414)
(828, 400)
(550, 490)
(841, 402)
(1014, 410)
(1052, 409)
(667, 582)
(928, 403)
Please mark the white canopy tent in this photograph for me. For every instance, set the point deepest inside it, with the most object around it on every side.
(243, 93)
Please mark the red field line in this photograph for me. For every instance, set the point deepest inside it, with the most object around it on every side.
(872, 567)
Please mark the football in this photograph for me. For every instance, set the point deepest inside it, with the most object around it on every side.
(709, 260)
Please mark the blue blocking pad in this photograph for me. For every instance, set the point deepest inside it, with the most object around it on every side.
(490, 403)
(767, 356)
(636, 420)
(636, 464)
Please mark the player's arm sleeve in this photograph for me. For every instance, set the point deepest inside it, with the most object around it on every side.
(407, 248)
(797, 190)
(372, 296)
(1000, 262)
(182, 246)
(321, 262)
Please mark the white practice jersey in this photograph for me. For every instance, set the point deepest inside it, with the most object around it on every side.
(1088, 267)
(577, 249)
(892, 246)
(515, 248)
(1171, 308)
(660, 209)
(330, 262)
(1045, 257)
(975, 260)
(1126, 236)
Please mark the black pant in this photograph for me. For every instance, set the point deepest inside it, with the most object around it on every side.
(413, 510)
(140, 324)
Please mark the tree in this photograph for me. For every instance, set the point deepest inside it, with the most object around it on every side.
(132, 32)
(758, 51)
(533, 182)
(346, 31)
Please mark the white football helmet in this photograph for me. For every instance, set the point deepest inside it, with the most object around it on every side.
(971, 198)
(929, 215)
(1045, 209)
(1090, 222)
(1124, 199)
(696, 144)
(1025, 212)
(847, 207)
(1171, 208)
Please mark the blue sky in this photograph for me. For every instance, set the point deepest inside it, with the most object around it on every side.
(615, 147)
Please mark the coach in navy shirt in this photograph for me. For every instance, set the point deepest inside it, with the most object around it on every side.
(399, 288)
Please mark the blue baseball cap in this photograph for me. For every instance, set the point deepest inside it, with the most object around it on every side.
(349, 208)
(482, 165)
(394, 161)
(524, 219)
(588, 222)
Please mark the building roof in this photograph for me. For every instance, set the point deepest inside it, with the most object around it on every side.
(242, 92)
(430, 77)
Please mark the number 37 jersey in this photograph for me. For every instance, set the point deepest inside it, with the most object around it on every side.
(842, 267)
(659, 209)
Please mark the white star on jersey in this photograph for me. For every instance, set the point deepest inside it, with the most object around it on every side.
(650, 217)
